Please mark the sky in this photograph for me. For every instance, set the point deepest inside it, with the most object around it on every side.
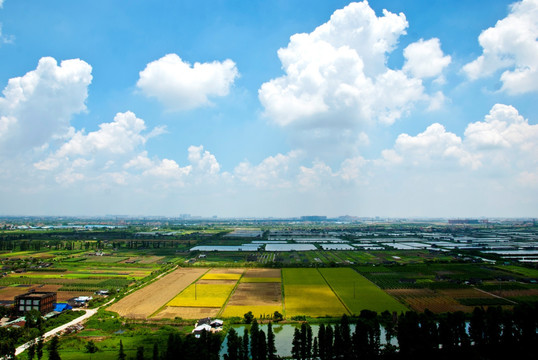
(417, 108)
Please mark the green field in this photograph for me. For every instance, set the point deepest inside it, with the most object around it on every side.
(307, 293)
(358, 293)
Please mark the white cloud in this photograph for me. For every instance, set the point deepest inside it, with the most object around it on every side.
(273, 172)
(424, 59)
(337, 79)
(203, 161)
(512, 45)
(121, 136)
(433, 147)
(181, 86)
(38, 106)
(503, 142)
(1, 4)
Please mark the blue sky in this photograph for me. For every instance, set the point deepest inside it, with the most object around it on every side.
(269, 108)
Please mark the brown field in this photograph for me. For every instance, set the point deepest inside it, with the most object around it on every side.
(256, 294)
(515, 293)
(465, 293)
(9, 292)
(225, 271)
(171, 312)
(151, 259)
(258, 273)
(422, 299)
(144, 302)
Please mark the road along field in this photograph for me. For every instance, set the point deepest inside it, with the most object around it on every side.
(144, 302)
(358, 293)
(259, 291)
(306, 293)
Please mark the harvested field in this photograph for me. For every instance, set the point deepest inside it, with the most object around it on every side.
(422, 299)
(252, 294)
(144, 302)
(226, 271)
(260, 280)
(464, 293)
(150, 259)
(258, 311)
(63, 296)
(262, 273)
(515, 293)
(171, 312)
(9, 292)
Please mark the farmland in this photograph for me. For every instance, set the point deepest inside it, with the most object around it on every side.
(307, 293)
(144, 302)
(358, 293)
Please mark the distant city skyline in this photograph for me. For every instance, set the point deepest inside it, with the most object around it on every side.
(415, 109)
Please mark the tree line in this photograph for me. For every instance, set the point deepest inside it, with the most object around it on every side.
(491, 333)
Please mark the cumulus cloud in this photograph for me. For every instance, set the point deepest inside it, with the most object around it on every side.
(182, 86)
(105, 151)
(39, 105)
(512, 45)
(273, 172)
(425, 59)
(336, 77)
(504, 141)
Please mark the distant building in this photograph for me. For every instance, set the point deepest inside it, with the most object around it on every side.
(463, 221)
(313, 218)
(36, 300)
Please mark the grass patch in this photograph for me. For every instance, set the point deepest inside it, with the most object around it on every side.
(358, 293)
(307, 293)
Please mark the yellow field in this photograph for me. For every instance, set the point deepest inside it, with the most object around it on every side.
(257, 310)
(203, 295)
(260, 279)
(213, 276)
(312, 300)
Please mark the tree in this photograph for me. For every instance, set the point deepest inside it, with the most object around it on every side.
(53, 349)
(248, 317)
(39, 348)
(234, 344)
(296, 345)
(271, 349)
(155, 351)
(91, 347)
(262, 346)
(31, 350)
(277, 316)
(121, 354)
(140, 353)
(244, 346)
(254, 340)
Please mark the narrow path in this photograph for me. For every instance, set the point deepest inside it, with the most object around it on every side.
(496, 296)
(87, 314)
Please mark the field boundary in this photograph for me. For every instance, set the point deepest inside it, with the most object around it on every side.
(166, 303)
(230, 295)
(335, 293)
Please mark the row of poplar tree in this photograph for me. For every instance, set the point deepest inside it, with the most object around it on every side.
(487, 334)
